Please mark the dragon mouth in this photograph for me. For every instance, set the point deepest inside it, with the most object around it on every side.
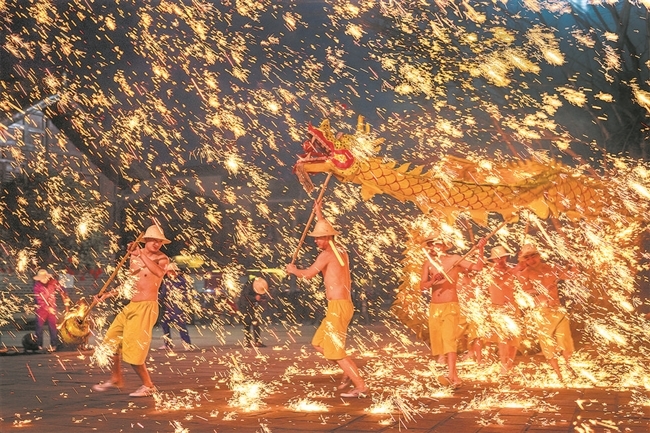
(319, 150)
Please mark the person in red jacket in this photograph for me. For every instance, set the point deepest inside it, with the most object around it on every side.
(45, 289)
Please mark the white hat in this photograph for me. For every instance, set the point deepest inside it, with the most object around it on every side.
(436, 238)
(43, 276)
(528, 250)
(260, 286)
(155, 232)
(323, 228)
(498, 252)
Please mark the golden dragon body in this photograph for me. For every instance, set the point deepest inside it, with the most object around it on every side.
(455, 185)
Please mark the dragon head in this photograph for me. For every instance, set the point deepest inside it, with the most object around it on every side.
(326, 152)
(323, 151)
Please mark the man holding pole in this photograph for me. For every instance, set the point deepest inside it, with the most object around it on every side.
(333, 263)
(130, 332)
(440, 274)
(540, 280)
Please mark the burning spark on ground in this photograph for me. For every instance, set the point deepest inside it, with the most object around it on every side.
(307, 405)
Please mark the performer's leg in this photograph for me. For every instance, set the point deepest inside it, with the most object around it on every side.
(248, 338)
(257, 338)
(350, 370)
(143, 374)
(54, 333)
(116, 370)
(182, 330)
(452, 357)
(167, 333)
(40, 321)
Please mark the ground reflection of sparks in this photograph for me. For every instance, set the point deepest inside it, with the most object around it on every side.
(491, 400)
(248, 394)
(307, 405)
(171, 402)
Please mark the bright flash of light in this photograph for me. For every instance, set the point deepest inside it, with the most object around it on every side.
(233, 163)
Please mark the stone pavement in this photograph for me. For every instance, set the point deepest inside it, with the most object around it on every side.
(286, 387)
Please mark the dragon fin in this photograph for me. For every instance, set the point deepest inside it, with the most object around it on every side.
(480, 217)
(368, 191)
(540, 207)
(403, 168)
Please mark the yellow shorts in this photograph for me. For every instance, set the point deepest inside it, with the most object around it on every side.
(332, 332)
(444, 327)
(553, 331)
(131, 331)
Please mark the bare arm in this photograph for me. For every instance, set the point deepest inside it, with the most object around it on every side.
(156, 267)
(317, 267)
(481, 258)
(424, 277)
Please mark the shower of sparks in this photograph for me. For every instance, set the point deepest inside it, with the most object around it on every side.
(201, 107)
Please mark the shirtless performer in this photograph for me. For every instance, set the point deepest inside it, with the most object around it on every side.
(330, 336)
(440, 274)
(503, 316)
(540, 280)
(130, 332)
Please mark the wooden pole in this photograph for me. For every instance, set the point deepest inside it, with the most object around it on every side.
(471, 250)
(111, 278)
(311, 218)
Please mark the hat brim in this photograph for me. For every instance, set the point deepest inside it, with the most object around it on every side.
(163, 241)
(315, 234)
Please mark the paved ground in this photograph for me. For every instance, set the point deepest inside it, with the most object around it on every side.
(286, 387)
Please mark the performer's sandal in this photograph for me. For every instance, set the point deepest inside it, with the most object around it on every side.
(143, 391)
(446, 381)
(355, 393)
(101, 387)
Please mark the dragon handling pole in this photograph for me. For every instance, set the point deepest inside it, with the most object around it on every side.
(311, 218)
(112, 277)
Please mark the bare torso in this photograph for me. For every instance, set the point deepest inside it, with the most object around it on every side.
(446, 288)
(147, 280)
(336, 278)
(501, 287)
(541, 281)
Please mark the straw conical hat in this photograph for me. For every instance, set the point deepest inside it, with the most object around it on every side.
(323, 228)
(528, 250)
(155, 232)
(436, 237)
(498, 252)
(43, 276)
